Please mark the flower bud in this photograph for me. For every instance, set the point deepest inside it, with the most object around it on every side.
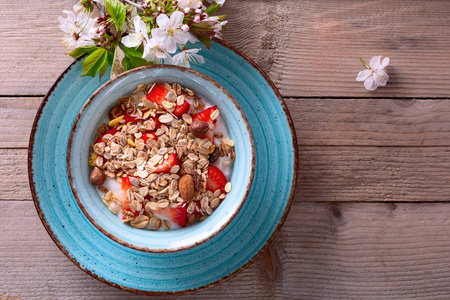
(197, 19)
(100, 19)
(186, 10)
(185, 28)
(204, 16)
(174, 3)
(198, 11)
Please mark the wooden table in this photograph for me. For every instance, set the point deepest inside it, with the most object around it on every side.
(370, 219)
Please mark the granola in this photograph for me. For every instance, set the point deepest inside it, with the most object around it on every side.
(162, 147)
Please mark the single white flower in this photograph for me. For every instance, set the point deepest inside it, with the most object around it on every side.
(76, 27)
(189, 4)
(169, 33)
(186, 57)
(155, 53)
(374, 76)
(220, 2)
(135, 39)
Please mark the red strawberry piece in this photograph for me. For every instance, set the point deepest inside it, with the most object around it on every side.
(177, 215)
(157, 94)
(126, 184)
(157, 123)
(205, 115)
(215, 180)
(167, 164)
(112, 131)
(209, 135)
(129, 119)
(182, 109)
(149, 135)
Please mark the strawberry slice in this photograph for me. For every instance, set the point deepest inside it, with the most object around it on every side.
(167, 164)
(182, 109)
(112, 131)
(126, 184)
(157, 94)
(215, 180)
(209, 135)
(129, 119)
(149, 136)
(177, 215)
(205, 115)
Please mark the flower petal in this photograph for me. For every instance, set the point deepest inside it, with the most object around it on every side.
(159, 34)
(363, 75)
(375, 62)
(163, 21)
(385, 62)
(370, 84)
(380, 78)
(176, 19)
(132, 40)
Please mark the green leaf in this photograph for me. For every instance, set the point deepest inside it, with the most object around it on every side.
(203, 39)
(103, 69)
(212, 9)
(118, 12)
(80, 51)
(94, 62)
(133, 52)
(117, 65)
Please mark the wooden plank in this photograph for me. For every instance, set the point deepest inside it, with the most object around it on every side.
(326, 251)
(16, 119)
(31, 70)
(331, 122)
(309, 49)
(325, 174)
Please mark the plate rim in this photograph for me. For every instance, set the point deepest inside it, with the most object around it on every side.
(267, 243)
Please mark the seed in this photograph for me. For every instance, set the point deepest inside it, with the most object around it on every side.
(102, 189)
(131, 143)
(163, 203)
(166, 225)
(134, 181)
(218, 135)
(187, 118)
(232, 155)
(115, 122)
(227, 141)
(191, 219)
(215, 202)
(215, 114)
(92, 160)
(151, 206)
(228, 187)
(166, 118)
(211, 149)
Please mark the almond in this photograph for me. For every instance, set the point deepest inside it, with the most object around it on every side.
(97, 176)
(199, 128)
(186, 188)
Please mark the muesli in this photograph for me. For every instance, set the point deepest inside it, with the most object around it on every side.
(163, 158)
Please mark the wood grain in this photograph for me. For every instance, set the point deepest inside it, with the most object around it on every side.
(325, 174)
(309, 48)
(326, 251)
(335, 122)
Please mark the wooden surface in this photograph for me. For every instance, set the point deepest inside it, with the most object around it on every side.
(370, 218)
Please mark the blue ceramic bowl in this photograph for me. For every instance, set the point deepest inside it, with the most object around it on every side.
(84, 131)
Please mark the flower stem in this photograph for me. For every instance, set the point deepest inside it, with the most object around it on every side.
(132, 3)
(365, 65)
(89, 15)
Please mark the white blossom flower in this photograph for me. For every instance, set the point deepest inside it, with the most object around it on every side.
(374, 76)
(189, 4)
(220, 2)
(154, 53)
(76, 27)
(186, 57)
(135, 39)
(169, 34)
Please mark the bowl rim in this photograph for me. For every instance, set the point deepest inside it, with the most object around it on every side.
(109, 234)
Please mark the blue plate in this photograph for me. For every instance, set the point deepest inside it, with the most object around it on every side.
(214, 261)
